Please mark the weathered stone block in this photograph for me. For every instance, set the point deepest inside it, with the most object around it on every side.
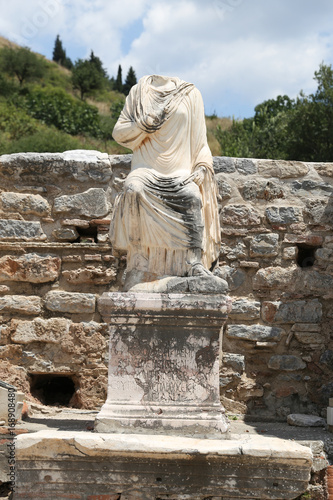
(30, 267)
(254, 332)
(20, 304)
(237, 251)
(308, 338)
(325, 254)
(138, 467)
(327, 359)
(70, 302)
(264, 245)
(246, 166)
(9, 395)
(248, 388)
(267, 190)
(40, 330)
(121, 162)
(286, 363)
(301, 420)
(24, 203)
(294, 278)
(313, 281)
(76, 222)
(211, 284)
(21, 230)
(313, 240)
(245, 309)
(234, 276)
(290, 253)
(324, 169)
(249, 264)
(275, 277)
(250, 189)
(306, 327)
(313, 186)
(234, 361)
(282, 169)
(283, 215)
(163, 364)
(240, 215)
(224, 164)
(100, 275)
(223, 187)
(66, 234)
(297, 311)
(91, 203)
(79, 166)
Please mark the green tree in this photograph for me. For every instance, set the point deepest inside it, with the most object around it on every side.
(98, 65)
(59, 54)
(86, 77)
(271, 108)
(119, 80)
(287, 129)
(236, 141)
(130, 81)
(311, 123)
(22, 63)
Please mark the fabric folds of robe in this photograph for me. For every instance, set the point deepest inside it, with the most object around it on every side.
(159, 219)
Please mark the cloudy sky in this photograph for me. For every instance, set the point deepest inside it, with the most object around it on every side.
(237, 52)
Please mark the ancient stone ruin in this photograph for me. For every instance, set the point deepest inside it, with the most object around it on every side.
(276, 255)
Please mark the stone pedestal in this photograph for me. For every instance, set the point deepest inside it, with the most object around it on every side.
(164, 364)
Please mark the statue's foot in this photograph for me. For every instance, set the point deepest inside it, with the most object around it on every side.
(199, 270)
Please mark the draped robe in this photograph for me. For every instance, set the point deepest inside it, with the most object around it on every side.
(164, 220)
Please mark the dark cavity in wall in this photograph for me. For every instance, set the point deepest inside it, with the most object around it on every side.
(87, 235)
(52, 390)
(306, 255)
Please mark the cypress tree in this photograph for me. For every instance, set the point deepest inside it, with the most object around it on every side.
(59, 54)
(130, 81)
(98, 64)
(119, 80)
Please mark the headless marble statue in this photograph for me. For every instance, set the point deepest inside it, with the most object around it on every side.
(166, 219)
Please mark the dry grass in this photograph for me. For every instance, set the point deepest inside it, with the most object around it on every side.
(4, 42)
(103, 107)
(211, 124)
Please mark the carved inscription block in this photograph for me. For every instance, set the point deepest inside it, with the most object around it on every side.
(164, 363)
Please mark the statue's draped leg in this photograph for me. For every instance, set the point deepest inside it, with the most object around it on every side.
(159, 221)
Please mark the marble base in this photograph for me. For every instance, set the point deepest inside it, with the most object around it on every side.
(164, 364)
(85, 466)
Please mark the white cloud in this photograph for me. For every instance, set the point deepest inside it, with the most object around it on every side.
(238, 52)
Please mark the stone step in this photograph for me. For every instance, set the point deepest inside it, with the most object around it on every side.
(87, 466)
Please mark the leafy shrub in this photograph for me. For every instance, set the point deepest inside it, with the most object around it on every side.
(14, 122)
(56, 107)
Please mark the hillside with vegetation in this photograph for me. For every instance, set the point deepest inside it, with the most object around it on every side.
(48, 107)
(53, 106)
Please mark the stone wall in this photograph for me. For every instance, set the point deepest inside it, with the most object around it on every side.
(277, 255)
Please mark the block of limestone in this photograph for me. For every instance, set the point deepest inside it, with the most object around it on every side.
(164, 364)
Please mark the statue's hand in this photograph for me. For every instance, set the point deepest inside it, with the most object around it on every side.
(197, 176)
